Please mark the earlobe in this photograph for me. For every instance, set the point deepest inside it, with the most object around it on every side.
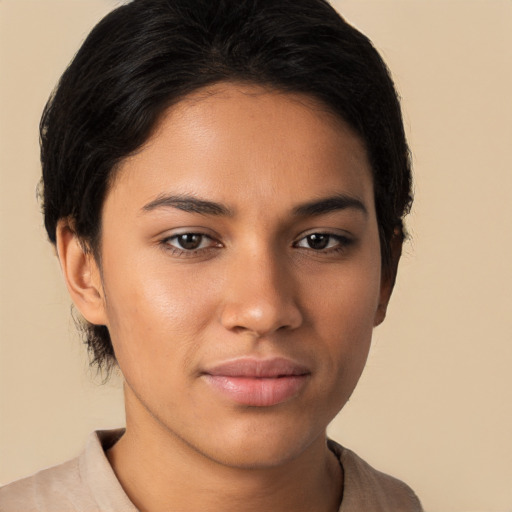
(389, 276)
(81, 274)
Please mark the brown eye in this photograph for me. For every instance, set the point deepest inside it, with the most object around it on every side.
(190, 244)
(318, 241)
(189, 241)
(324, 242)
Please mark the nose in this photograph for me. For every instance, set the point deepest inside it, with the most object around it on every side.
(260, 295)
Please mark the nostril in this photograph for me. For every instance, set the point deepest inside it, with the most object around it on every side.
(242, 318)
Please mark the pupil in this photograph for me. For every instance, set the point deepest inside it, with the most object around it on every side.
(189, 241)
(317, 241)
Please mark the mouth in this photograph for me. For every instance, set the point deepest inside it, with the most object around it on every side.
(257, 382)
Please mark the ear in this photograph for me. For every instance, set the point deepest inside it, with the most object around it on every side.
(389, 276)
(81, 273)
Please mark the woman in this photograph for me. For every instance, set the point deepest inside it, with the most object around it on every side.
(225, 184)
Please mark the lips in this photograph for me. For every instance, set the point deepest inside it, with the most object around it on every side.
(257, 382)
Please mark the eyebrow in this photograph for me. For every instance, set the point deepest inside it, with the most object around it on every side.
(187, 204)
(192, 204)
(329, 204)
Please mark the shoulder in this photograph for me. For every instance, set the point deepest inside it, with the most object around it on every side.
(84, 484)
(60, 485)
(366, 488)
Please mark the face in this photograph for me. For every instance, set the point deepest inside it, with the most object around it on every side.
(241, 274)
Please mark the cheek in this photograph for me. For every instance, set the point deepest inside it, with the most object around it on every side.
(346, 299)
(342, 312)
(155, 318)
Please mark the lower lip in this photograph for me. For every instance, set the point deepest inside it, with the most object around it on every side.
(257, 392)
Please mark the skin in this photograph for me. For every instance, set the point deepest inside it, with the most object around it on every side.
(256, 286)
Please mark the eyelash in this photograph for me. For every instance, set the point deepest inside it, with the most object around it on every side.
(342, 244)
(181, 251)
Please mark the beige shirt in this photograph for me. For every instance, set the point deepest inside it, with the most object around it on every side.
(88, 484)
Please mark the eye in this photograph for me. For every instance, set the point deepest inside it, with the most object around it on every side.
(190, 241)
(323, 241)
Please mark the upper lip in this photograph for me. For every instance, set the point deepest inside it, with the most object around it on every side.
(258, 368)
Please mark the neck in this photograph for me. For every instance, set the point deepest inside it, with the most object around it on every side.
(161, 472)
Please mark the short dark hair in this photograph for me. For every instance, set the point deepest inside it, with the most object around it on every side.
(147, 55)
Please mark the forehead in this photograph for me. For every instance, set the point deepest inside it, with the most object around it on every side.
(246, 143)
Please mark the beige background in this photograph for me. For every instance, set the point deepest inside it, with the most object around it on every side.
(434, 406)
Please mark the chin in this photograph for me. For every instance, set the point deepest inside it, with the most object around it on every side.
(260, 444)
